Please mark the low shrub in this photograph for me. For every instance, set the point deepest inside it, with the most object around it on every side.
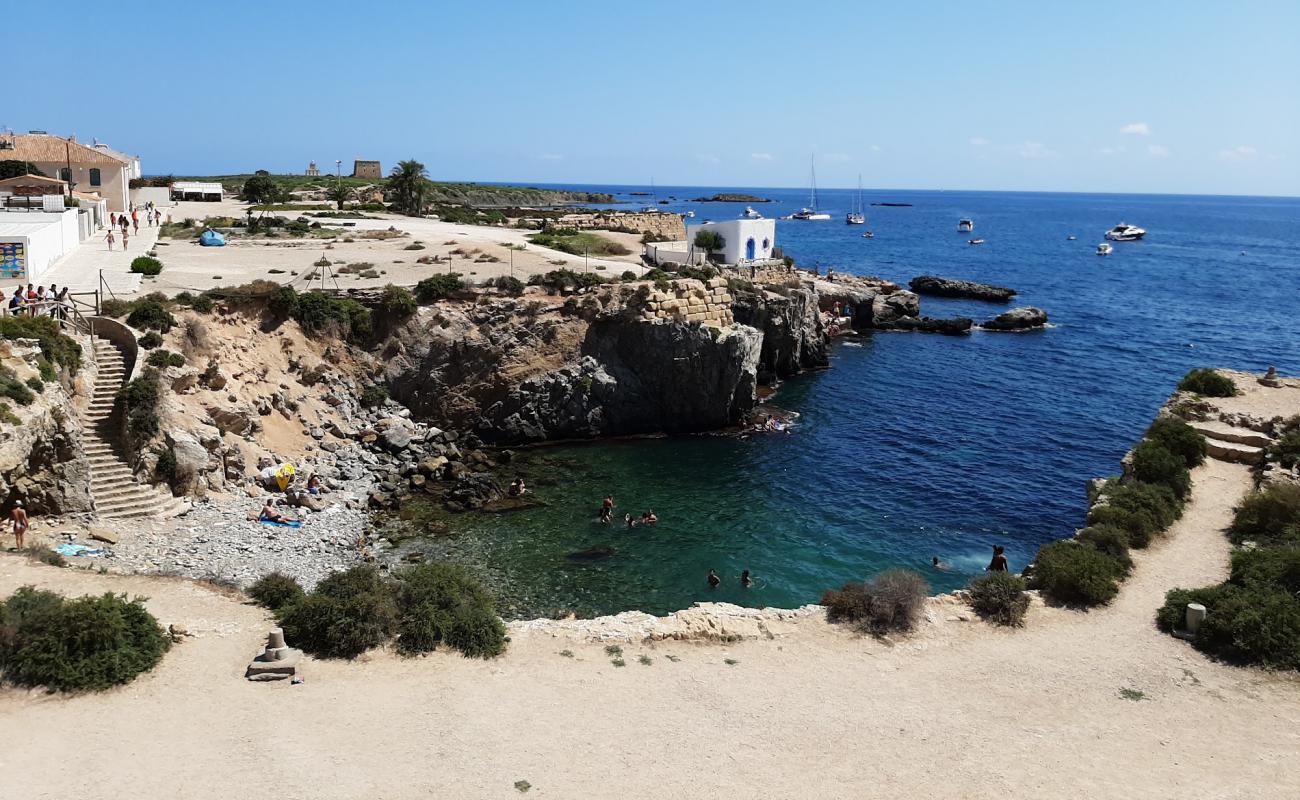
(202, 303)
(150, 340)
(13, 388)
(46, 369)
(1154, 463)
(165, 358)
(136, 405)
(373, 395)
(999, 597)
(1076, 574)
(45, 555)
(85, 644)
(1208, 383)
(1271, 516)
(347, 614)
(1251, 625)
(1142, 510)
(891, 601)
(145, 265)
(276, 591)
(35, 384)
(56, 347)
(628, 275)
(1287, 448)
(1173, 613)
(282, 302)
(7, 415)
(442, 604)
(150, 315)
(438, 287)
(113, 307)
(397, 302)
(1179, 438)
(1109, 539)
(509, 285)
(1268, 566)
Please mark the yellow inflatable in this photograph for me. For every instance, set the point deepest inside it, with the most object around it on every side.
(284, 476)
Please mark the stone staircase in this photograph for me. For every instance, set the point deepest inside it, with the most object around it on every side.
(113, 487)
(1230, 443)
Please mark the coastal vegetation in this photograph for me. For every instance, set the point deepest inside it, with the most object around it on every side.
(890, 602)
(1000, 598)
(56, 347)
(438, 287)
(559, 280)
(1254, 616)
(79, 645)
(1208, 383)
(422, 606)
(709, 241)
(136, 408)
(568, 240)
(276, 591)
(149, 313)
(14, 168)
(146, 265)
(407, 184)
(1286, 450)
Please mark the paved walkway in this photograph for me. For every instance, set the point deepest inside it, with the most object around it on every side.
(80, 269)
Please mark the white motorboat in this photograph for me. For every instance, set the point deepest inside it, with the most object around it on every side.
(1071, 238)
(855, 216)
(975, 241)
(750, 213)
(690, 214)
(965, 225)
(1104, 249)
(811, 212)
(1124, 232)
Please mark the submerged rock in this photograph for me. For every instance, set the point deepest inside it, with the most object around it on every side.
(952, 287)
(597, 553)
(1017, 319)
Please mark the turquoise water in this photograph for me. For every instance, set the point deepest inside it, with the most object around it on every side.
(913, 445)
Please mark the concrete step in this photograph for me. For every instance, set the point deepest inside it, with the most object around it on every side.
(1224, 432)
(1234, 452)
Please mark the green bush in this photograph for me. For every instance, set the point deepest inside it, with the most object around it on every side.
(113, 307)
(46, 369)
(509, 285)
(56, 347)
(136, 405)
(1141, 509)
(283, 302)
(165, 358)
(373, 395)
(7, 415)
(1268, 566)
(150, 315)
(1154, 463)
(628, 275)
(146, 265)
(35, 384)
(203, 303)
(276, 591)
(13, 388)
(1173, 613)
(1179, 438)
(1111, 540)
(437, 287)
(317, 311)
(347, 614)
(1207, 382)
(1252, 625)
(1076, 574)
(442, 604)
(698, 273)
(891, 601)
(45, 555)
(397, 302)
(86, 644)
(1287, 449)
(150, 340)
(1271, 516)
(1000, 597)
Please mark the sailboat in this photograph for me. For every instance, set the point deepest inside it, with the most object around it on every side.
(856, 217)
(811, 212)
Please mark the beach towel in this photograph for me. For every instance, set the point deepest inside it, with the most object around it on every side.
(74, 549)
(288, 523)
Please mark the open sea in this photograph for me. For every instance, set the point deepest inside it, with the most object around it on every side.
(914, 445)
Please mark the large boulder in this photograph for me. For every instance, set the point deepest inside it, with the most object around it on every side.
(1017, 319)
(192, 459)
(952, 287)
(238, 421)
(887, 309)
(954, 326)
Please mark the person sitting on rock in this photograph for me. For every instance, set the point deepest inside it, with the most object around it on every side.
(314, 485)
(269, 514)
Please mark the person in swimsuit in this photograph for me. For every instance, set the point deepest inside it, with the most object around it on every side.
(942, 566)
(269, 514)
(714, 580)
(745, 580)
(19, 515)
(627, 520)
(607, 508)
(999, 562)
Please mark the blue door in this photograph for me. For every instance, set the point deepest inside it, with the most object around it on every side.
(749, 249)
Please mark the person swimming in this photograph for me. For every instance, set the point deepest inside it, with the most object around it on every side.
(714, 580)
(628, 520)
(745, 580)
(607, 508)
(649, 518)
(942, 566)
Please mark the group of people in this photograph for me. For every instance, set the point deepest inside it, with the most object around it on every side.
(998, 564)
(715, 581)
(38, 300)
(648, 518)
(128, 222)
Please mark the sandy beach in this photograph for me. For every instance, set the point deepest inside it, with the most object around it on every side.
(958, 710)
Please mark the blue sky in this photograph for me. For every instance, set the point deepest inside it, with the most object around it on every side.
(1187, 97)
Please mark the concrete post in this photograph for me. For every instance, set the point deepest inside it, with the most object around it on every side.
(1195, 616)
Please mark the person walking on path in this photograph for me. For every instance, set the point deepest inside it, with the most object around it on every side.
(19, 516)
(62, 307)
(110, 239)
(124, 222)
(135, 221)
(126, 237)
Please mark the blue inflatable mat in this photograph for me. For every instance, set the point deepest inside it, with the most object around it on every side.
(288, 523)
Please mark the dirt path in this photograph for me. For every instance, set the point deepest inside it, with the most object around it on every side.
(958, 711)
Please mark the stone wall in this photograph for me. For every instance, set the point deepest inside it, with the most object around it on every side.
(669, 226)
(366, 169)
(689, 300)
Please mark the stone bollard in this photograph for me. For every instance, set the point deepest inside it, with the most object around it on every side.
(1195, 616)
(277, 661)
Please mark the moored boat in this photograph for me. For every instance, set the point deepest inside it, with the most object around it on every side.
(1104, 249)
(1124, 232)
(965, 225)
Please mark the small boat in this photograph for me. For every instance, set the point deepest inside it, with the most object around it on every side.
(1124, 232)
(690, 214)
(650, 210)
(1104, 249)
(750, 213)
(1071, 238)
(810, 212)
(868, 235)
(974, 241)
(855, 216)
(965, 226)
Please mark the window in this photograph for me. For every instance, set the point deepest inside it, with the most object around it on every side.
(94, 176)
(65, 174)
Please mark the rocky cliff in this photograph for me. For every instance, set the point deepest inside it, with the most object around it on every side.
(790, 320)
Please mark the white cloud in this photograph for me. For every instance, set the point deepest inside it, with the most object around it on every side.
(707, 158)
(761, 156)
(1036, 151)
(978, 141)
(1242, 152)
(551, 157)
(1158, 150)
(1136, 129)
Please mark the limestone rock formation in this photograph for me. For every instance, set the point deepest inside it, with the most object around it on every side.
(794, 335)
(41, 460)
(954, 326)
(1017, 319)
(952, 287)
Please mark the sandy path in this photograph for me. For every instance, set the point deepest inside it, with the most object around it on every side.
(958, 711)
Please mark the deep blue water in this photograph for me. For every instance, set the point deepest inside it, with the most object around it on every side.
(916, 445)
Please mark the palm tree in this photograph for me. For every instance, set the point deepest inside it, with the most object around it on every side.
(408, 182)
(340, 193)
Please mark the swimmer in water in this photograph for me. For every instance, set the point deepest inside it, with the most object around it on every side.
(942, 566)
(714, 580)
(627, 519)
(745, 580)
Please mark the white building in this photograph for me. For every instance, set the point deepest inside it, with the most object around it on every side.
(196, 190)
(95, 169)
(743, 240)
(31, 242)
